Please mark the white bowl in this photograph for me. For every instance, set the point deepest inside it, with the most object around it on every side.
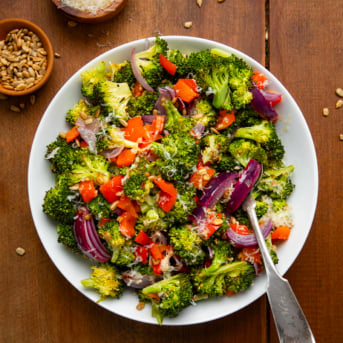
(300, 152)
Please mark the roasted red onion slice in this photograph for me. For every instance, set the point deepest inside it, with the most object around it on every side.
(87, 237)
(137, 280)
(88, 132)
(112, 153)
(244, 184)
(272, 98)
(262, 106)
(216, 188)
(248, 240)
(137, 73)
(165, 93)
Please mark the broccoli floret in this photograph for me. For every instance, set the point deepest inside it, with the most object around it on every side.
(113, 137)
(173, 295)
(91, 167)
(82, 107)
(261, 208)
(272, 250)
(126, 255)
(100, 208)
(178, 156)
(209, 115)
(134, 187)
(277, 183)
(148, 61)
(152, 216)
(227, 162)
(142, 105)
(115, 96)
(234, 276)
(187, 244)
(90, 80)
(218, 81)
(213, 147)
(279, 204)
(123, 73)
(106, 280)
(175, 121)
(62, 155)
(66, 237)
(265, 134)
(60, 203)
(175, 56)
(243, 150)
(195, 64)
(109, 231)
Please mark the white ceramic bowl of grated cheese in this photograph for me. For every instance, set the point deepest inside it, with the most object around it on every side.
(90, 11)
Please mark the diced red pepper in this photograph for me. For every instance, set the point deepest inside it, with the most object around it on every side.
(127, 224)
(137, 89)
(143, 238)
(72, 134)
(167, 65)
(259, 79)
(134, 129)
(156, 251)
(166, 201)
(225, 119)
(127, 205)
(240, 228)
(186, 89)
(281, 232)
(156, 268)
(110, 189)
(165, 186)
(250, 254)
(87, 190)
(141, 254)
(201, 177)
(125, 158)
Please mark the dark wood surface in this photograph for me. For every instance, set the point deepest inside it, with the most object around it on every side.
(304, 51)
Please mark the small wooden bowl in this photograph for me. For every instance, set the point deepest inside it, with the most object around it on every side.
(99, 16)
(8, 25)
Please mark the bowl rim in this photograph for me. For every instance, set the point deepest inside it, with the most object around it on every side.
(12, 23)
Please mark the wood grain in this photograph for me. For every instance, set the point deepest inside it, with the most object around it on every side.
(37, 303)
(306, 55)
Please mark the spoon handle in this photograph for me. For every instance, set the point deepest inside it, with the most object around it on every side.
(290, 321)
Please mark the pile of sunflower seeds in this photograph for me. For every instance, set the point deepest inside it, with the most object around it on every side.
(23, 60)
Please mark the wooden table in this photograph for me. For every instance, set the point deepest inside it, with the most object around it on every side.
(304, 50)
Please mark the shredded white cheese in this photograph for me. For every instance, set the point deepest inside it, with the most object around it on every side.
(87, 5)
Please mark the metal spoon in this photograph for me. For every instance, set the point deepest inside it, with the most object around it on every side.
(290, 321)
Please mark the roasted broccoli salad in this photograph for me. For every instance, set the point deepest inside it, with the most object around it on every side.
(161, 152)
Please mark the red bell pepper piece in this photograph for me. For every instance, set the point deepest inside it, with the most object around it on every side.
(72, 134)
(167, 65)
(186, 89)
(125, 158)
(225, 119)
(134, 129)
(127, 224)
(87, 190)
(143, 238)
(110, 189)
(259, 79)
(141, 254)
(201, 177)
(127, 205)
